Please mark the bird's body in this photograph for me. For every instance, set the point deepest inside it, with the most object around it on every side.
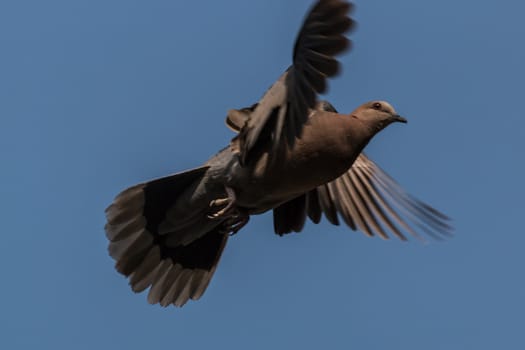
(268, 183)
(291, 155)
(307, 165)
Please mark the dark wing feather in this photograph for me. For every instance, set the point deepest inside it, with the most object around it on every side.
(290, 216)
(295, 92)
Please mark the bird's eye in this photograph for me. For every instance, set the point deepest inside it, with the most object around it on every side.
(377, 106)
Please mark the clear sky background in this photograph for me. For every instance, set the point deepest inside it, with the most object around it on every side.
(98, 95)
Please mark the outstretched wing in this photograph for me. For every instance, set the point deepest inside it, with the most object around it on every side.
(369, 200)
(284, 107)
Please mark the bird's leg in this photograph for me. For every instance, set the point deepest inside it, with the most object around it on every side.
(228, 201)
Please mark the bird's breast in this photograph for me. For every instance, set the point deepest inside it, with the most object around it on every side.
(320, 155)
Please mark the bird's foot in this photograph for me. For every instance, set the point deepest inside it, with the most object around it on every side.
(228, 202)
(235, 223)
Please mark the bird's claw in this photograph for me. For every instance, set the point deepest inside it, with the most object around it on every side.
(229, 203)
(235, 223)
(219, 202)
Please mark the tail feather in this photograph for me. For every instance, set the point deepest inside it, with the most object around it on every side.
(175, 272)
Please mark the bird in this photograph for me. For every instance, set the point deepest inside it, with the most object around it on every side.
(292, 154)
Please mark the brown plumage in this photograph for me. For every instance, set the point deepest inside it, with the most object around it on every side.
(292, 155)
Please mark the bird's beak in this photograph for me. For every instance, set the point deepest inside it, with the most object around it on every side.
(398, 118)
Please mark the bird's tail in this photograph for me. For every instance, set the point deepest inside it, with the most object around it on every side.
(141, 240)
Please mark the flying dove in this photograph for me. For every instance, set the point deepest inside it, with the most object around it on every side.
(292, 154)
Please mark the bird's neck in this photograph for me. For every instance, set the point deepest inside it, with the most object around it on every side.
(357, 134)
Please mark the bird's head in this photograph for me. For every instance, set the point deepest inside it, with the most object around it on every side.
(377, 115)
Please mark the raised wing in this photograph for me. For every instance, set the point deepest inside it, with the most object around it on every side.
(284, 107)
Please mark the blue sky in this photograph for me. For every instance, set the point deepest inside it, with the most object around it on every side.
(98, 95)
